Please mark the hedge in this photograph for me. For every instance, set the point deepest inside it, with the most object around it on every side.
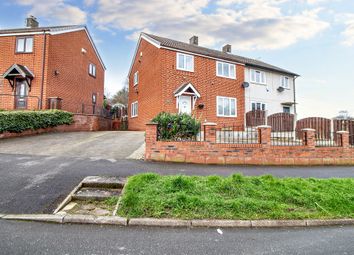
(19, 121)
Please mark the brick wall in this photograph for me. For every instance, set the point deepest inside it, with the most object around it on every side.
(159, 78)
(81, 123)
(262, 153)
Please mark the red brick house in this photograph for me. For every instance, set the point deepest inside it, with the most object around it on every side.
(50, 67)
(172, 76)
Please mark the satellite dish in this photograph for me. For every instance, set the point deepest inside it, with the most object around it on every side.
(245, 85)
(280, 89)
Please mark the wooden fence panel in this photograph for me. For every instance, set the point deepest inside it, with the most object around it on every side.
(281, 122)
(321, 125)
(255, 118)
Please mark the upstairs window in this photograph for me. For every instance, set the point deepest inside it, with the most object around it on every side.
(185, 62)
(24, 44)
(136, 78)
(258, 76)
(92, 70)
(285, 82)
(225, 70)
(134, 109)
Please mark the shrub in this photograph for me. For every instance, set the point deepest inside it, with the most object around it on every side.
(19, 121)
(176, 126)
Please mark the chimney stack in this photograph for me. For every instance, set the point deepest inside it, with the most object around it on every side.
(193, 40)
(31, 22)
(226, 48)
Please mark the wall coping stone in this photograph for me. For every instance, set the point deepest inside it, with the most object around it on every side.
(342, 132)
(209, 124)
(308, 129)
(263, 126)
(152, 123)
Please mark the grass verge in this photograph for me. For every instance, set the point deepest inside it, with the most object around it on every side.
(237, 197)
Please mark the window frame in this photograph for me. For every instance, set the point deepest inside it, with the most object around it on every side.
(282, 79)
(229, 99)
(136, 81)
(288, 107)
(261, 104)
(261, 72)
(184, 62)
(25, 38)
(229, 65)
(92, 71)
(134, 113)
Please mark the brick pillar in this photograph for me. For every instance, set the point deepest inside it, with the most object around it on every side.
(209, 132)
(343, 138)
(309, 137)
(264, 135)
(150, 139)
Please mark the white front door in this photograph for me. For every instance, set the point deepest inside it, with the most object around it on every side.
(185, 104)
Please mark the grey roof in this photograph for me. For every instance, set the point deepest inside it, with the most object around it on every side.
(216, 54)
(40, 29)
(20, 69)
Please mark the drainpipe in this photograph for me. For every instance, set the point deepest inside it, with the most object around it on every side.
(43, 67)
(294, 88)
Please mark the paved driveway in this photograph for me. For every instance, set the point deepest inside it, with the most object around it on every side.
(109, 145)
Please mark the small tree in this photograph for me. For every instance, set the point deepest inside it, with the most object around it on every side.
(121, 97)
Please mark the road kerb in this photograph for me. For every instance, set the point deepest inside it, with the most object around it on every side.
(2, 215)
(277, 223)
(35, 217)
(222, 223)
(159, 222)
(334, 222)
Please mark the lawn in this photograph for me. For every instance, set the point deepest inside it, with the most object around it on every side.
(236, 197)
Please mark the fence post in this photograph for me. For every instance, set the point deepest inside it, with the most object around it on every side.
(309, 138)
(343, 137)
(264, 135)
(210, 132)
(150, 139)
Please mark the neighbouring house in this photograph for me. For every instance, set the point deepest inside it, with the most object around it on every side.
(50, 67)
(214, 86)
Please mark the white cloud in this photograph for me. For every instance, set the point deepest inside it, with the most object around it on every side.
(56, 11)
(247, 24)
(348, 33)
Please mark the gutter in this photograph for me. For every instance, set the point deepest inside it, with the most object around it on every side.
(43, 67)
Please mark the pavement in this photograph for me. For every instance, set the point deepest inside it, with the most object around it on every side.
(41, 238)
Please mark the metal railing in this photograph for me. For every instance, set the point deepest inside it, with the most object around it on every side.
(327, 139)
(14, 102)
(291, 138)
(351, 141)
(237, 135)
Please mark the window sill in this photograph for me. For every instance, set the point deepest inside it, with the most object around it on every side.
(219, 116)
(24, 52)
(133, 117)
(184, 70)
(231, 78)
(258, 83)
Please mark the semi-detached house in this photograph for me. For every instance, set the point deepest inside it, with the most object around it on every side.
(214, 86)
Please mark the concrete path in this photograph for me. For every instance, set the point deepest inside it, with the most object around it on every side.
(109, 145)
(41, 238)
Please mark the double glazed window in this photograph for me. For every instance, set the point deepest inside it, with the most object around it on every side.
(185, 62)
(136, 78)
(134, 109)
(24, 44)
(225, 70)
(226, 106)
(258, 76)
(92, 70)
(258, 106)
(285, 82)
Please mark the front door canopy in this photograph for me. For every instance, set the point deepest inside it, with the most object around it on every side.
(186, 90)
(17, 71)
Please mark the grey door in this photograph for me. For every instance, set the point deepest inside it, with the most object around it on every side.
(21, 94)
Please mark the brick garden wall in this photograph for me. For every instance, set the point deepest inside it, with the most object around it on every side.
(81, 123)
(263, 153)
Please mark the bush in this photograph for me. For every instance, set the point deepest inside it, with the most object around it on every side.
(19, 121)
(176, 126)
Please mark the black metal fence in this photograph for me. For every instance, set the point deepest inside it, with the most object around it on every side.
(291, 138)
(351, 141)
(237, 135)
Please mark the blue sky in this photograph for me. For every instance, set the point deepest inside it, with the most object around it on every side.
(314, 38)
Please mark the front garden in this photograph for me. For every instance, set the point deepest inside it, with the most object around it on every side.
(236, 197)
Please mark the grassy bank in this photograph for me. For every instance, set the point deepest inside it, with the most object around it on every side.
(237, 197)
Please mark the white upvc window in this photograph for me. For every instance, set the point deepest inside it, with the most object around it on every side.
(225, 70)
(92, 70)
(226, 106)
(24, 44)
(185, 62)
(258, 106)
(134, 109)
(258, 76)
(136, 78)
(285, 82)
